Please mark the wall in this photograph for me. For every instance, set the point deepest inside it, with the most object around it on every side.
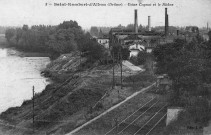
(172, 114)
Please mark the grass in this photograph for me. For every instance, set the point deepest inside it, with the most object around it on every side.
(140, 77)
(104, 124)
(72, 100)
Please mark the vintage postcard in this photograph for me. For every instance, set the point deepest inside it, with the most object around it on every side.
(105, 67)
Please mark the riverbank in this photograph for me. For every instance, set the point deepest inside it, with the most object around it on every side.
(78, 94)
(28, 54)
(18, 75)
(21, 52)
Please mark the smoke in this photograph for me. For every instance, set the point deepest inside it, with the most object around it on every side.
(140, 1)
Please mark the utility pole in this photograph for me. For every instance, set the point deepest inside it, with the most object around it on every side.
(118, 61)
(121, 66)
(113, 71)
(80, 65)
(33, 106)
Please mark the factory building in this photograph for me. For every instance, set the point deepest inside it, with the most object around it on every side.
(136, 38)
(103, 39)
(148, 39)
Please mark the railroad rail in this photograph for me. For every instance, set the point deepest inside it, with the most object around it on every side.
(142, 121)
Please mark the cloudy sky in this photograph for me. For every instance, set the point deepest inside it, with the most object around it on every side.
(32, 12)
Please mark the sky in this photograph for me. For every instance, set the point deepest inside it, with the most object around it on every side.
(35, 12)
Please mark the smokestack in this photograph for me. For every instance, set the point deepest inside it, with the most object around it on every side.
(177, 32)
(207, 26)
(166, 22)
(149, 23)
(136, 22)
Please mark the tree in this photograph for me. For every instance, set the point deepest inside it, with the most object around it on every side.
(120, 26)
(140, 27)
(141, 58)
(188, 67)
(9, 34)
(130, 27)
(64, 38)
(18, 34)
(25, 27)
(184, 63)
(68, 25)
(94, 31)
(125, 53)
(209, 34)
(62, 41)
(166, 53)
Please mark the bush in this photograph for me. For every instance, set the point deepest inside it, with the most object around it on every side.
(134, 60)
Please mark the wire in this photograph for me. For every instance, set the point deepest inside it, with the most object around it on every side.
(138, 117)
(156, 123)
(129, 116)
(149, 120)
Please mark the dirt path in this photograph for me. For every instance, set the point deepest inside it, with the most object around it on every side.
(131, 66)
(109, 110)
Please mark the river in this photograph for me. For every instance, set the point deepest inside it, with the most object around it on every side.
(18, 75)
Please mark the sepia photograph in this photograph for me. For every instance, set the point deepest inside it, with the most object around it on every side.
(105, 67)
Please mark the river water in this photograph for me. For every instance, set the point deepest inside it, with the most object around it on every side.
(18, 75)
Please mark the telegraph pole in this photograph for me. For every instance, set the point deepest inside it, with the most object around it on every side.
(33, 106)
(113, 71)
(118, 61)
(80, 65)
(121, 66)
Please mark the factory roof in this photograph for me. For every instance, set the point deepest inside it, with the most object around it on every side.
(119, 31)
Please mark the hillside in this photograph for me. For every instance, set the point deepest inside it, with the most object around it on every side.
(79, 92)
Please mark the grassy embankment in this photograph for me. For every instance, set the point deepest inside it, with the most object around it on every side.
(71, 100)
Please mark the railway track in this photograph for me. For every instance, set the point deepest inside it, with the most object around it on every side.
(143, 121)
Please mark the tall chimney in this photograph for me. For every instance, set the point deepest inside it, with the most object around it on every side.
(149, 23)
(136, 22)
(166, 22)
(207, 26)
(177, 32)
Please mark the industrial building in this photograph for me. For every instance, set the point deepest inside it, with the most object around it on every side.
(103, 39)
(149, 39)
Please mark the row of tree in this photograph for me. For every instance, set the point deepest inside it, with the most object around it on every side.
(4, 28)
(63, 38)
(97, 31)
(189, 67)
